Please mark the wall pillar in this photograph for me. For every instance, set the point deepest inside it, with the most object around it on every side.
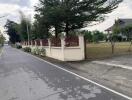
(35, 43)
(63, 47)
(41, 43)
(31, 43)
(82, 45)
(49, 47)
(23, 44)
(26, 43)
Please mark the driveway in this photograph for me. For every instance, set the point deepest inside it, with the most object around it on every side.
(24, 77)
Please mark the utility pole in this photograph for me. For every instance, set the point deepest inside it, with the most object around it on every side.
(28, 33)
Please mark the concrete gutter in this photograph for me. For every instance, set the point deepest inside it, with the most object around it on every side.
(1, 51)
(112, 64)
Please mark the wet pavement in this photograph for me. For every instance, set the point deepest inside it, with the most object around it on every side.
(23, 77)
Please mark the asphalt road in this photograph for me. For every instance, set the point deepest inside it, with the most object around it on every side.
(24, 77)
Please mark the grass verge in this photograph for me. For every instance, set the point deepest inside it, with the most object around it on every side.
(0, 51)
(104, 50)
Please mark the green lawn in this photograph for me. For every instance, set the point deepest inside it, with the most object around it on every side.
(103, 50)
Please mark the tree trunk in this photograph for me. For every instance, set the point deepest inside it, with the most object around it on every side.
(56, 31)
(47, 32)
(67, 29)
(85, 47)
(113, 47)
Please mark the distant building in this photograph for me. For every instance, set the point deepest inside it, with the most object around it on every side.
(121, 24)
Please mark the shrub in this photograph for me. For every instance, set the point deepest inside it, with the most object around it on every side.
(36, 51)
(18, 46)
(27, 49)
(42, 52)
(98, 36)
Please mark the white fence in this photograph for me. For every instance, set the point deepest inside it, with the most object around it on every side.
(63, 53)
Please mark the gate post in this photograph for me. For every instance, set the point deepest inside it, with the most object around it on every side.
(41, 43)
(63, 47)
(35, 43)
(49, 47)
(32, 43)
(82, 45)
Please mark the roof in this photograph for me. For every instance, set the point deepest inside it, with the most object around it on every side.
(122, 23)
(109, 29)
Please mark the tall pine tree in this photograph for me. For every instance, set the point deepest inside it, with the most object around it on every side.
(68, 15)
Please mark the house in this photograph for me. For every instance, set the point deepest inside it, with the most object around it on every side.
(121, 23)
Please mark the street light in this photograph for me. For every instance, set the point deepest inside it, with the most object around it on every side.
(28, 33)
(27, 19)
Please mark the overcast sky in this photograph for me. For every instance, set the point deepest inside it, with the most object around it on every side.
(11, 8)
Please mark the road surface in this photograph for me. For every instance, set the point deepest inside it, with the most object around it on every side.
(24, 77)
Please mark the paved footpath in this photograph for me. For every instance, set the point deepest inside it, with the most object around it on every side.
(24, 77)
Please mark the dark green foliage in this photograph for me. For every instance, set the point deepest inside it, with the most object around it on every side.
(39, 31)
(88, 36)
(98, 36)
(43, 52)
(49, 16)
(63, 16)
(23, 30)
(124, 31)
(12, 31)
(36, 51)
(93, 36)
(68, 15)
(24, 27)
(18, 46)
(27, 49)
(116, 30)
(127, 31)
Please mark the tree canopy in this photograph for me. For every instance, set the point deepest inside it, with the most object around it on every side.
(125, 31)
(24, 27)
(2, 39)
(11, 30)
(69, 15)
(60, 16)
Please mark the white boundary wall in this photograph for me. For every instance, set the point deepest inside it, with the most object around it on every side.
(63, 53)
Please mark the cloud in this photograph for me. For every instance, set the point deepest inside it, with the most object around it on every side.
(11, 11)
(33, 2)
(11, 8)
(18, 2)
(123, 11)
